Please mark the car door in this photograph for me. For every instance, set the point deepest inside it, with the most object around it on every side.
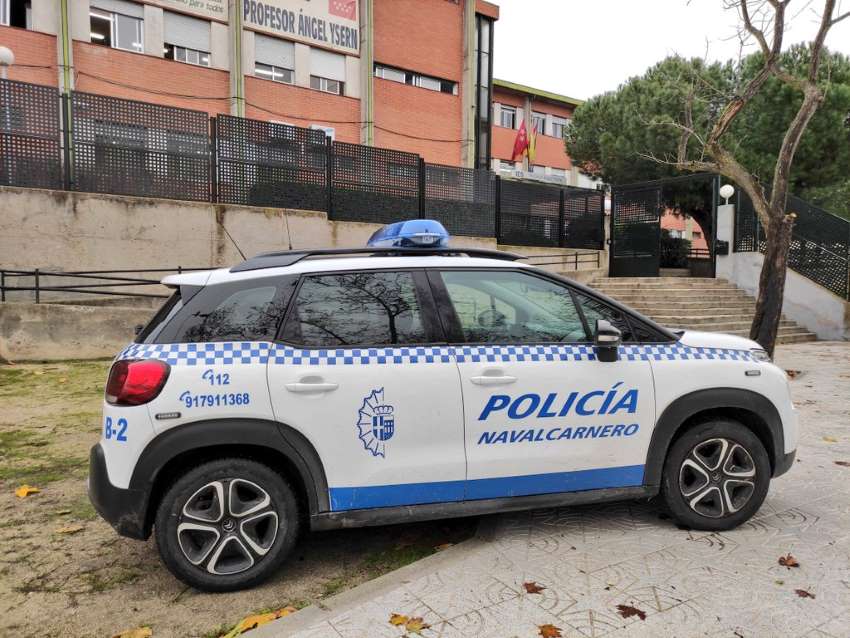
(542, 414)
(360, 371)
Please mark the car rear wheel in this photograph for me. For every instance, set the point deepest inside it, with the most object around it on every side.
(227, 524)
(716, 476)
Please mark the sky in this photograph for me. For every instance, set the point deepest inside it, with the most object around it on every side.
(581, 48)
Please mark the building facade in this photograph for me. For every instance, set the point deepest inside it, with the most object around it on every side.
(409, 75)
(546, 112)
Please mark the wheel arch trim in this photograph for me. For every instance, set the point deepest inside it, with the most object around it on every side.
(193, 438)
(717, 401)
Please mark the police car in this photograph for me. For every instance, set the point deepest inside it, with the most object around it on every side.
(408, 380)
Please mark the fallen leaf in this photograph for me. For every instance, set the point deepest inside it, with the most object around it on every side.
(802, 593)
(788, 561)
(398, 619)
(252, 622)
(70, 529)
(138, 632)
(62, 512)
(25, 490)
(627, 611)
(779, 581)
(830, 439)
(843, 463)
(416, 625)
(792, 373)
(443, 546)
(533, 588)
(549, 631)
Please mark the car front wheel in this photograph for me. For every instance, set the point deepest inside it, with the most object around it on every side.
(716, 476)
(227, 524)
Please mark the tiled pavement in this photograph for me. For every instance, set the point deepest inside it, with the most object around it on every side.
(592, 559)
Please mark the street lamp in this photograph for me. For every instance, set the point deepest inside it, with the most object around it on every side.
(726, 192)
(7, 59)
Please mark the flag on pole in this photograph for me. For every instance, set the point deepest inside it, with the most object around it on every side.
(521, 142)
(532, 144)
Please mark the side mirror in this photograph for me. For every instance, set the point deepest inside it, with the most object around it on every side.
(607, 339)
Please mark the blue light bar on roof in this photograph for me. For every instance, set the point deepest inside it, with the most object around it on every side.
(415, 233)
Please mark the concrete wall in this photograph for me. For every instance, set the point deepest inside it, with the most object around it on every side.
(50, 332)
(807, 303)
(62, 231)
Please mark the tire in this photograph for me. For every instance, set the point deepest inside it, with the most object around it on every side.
(227, 524)
(716, 476)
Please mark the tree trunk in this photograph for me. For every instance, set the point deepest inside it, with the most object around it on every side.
(772, 284)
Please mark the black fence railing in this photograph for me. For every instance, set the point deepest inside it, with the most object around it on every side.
(32, 285)
(820, 243)
(95, 143)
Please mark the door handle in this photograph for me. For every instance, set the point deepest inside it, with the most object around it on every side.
(493, 380)
(306, 388)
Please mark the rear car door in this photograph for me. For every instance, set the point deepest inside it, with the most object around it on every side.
(542, 414)
(362, 371)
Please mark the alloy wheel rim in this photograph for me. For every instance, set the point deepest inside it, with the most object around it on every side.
(227, 526)
(717, 478)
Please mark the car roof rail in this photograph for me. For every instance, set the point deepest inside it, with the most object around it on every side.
(279, 259)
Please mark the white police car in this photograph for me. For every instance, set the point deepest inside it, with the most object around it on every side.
(407, 381)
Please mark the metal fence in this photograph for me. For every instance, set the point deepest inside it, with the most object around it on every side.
(30, 151)
(820, 242)
(101, 144)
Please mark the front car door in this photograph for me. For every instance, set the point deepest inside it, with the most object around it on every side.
(360, 370)
(542, 415)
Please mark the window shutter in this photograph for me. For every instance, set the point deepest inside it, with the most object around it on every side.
(133, 9)
(327, 65)
(274, 51)
(184, 31)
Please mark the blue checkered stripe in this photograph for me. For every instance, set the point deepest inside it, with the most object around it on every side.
(201, 354)
(680, 352)
(506, 354)
(286, 355)
(232, 353)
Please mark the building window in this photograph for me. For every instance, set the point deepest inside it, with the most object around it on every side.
(559, 125)
(483, 89)
(118, 30)
(275, 73)
(187, 39)
(16, 13)
(326, 85)
(327, 71)
(538, 123)
(415, 79)
(274, 59)
(508, 117)
(189, 56)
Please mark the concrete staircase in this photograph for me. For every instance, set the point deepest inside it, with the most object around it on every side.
(712, 305)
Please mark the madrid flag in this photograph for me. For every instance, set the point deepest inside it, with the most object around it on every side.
(521, 142)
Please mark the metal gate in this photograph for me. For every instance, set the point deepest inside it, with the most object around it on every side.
(635, 232)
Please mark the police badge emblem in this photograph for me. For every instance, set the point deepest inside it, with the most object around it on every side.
(376, 423)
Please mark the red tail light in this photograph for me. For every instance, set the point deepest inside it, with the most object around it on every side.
(135, 382)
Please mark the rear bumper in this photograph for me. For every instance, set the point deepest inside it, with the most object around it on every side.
(123, 509)
(784, 463)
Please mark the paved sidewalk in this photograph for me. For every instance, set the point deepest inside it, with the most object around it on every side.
(593, 559)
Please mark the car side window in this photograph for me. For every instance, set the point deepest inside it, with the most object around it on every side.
(356, 309)
(239, 311)
(594, 309)
(513, 307)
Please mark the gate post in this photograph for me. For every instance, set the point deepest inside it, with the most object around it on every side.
(213, 160)
(497, 211)
(65, 133)
(329, 175)
(561, 218)
(421, 174)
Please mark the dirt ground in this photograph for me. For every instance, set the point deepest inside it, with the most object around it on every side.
(64, 572)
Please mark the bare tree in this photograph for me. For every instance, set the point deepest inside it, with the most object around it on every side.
(765, 22)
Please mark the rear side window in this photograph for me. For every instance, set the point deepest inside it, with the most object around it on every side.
(356, 309)
(161, 319)
(241, 311)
